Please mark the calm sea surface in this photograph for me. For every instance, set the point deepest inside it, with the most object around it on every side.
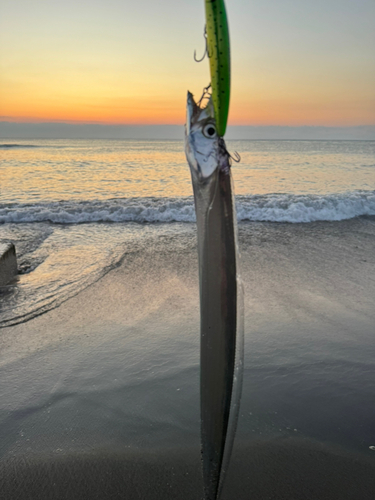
(81, 170)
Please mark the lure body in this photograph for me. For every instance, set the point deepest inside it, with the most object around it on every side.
(218, 49)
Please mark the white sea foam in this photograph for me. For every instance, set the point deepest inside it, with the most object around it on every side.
(269, 207)
(306, 208)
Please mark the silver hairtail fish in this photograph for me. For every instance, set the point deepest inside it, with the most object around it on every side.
(221, 297)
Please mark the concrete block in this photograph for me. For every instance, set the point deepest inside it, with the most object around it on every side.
(8, 262)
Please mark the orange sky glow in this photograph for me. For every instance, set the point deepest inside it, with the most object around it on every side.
(100, 66)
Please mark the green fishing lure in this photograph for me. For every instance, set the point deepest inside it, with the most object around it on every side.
(219, 56)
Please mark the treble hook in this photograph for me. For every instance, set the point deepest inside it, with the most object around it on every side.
(206, 94)
(235, 157)
(205, 50)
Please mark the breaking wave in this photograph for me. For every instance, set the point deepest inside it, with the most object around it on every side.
(269, 207)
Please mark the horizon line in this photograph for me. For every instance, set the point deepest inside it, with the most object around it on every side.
(101, 124)
(63, 130)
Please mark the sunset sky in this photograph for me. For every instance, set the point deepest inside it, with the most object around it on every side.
(294, 62)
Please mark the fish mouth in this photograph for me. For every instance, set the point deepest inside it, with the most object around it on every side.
(196, 113)
(192, 110)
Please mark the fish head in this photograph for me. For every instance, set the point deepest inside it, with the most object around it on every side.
(201, 139)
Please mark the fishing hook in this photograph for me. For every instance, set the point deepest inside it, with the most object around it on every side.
(229, 158)
(206, 94)
(205, 50)
(235, 157)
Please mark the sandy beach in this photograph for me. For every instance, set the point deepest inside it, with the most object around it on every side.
(290, 469)
(99, 396)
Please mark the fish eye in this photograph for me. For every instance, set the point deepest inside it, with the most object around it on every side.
(209, 131)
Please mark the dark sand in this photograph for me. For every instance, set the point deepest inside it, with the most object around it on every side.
(99, 397)
(281, 469)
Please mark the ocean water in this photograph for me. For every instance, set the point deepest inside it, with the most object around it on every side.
(58, 199)
(110, 225)
(148, 181)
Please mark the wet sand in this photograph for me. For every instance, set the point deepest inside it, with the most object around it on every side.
(290, 469)
(99, 397)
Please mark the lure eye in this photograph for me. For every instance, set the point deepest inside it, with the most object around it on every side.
(209, 131)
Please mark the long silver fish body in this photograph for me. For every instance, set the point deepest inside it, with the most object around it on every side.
(221, 297)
